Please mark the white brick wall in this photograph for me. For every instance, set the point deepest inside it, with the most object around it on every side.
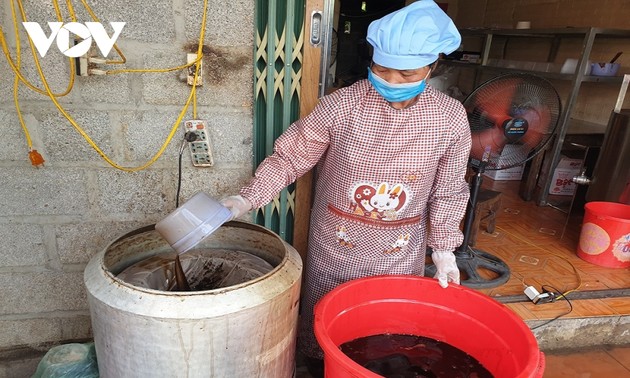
(53, 219)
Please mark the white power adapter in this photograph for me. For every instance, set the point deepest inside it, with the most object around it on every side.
(531, 293)
(537, 297)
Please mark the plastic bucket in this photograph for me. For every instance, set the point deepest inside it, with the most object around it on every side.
(605, 234)
(192, 222)
(399, 304)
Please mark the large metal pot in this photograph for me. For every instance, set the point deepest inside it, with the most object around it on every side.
(245, 330)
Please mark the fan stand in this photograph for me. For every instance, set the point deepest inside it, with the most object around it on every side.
(470, 260)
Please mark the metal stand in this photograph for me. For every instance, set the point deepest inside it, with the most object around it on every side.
(471, 260)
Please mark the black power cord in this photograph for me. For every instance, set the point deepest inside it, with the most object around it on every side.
(188, 137)
(555, 297)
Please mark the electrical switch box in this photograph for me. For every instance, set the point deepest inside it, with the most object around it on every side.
(191, 70)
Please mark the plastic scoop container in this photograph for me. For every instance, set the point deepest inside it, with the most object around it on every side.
(192, 222)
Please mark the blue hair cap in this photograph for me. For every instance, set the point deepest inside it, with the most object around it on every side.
(413, 37)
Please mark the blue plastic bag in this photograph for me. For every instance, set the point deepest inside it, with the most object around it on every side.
(69, 361)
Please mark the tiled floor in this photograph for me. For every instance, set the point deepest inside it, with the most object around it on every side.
(539, 245)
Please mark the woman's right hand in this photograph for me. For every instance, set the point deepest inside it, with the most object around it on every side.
(238, 205)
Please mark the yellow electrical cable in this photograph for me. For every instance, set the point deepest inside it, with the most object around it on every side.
(192, 96)
(195, 98)
(124, 60)
(173, 129)
(156, 70)
(553, 254)
(34, 156)
(57, 10)
(16, 84)
(93, 15)
(70, 60)
(108, 72)
(139, 70)
(16, 71)
(73, 16)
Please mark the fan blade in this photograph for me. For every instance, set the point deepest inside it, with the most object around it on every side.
(491, 105)
(496, 100)
(487, 143)
(539, 124)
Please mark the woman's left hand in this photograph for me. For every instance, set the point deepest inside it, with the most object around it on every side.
(446, 265)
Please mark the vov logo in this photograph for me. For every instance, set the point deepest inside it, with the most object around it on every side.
(61, 32)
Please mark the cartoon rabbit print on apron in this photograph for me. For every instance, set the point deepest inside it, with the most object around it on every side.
(375, 207)
(382, 203)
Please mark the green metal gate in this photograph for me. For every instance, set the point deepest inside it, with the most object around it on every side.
(277, 73)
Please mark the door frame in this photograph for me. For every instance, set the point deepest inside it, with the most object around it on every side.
(316, 58)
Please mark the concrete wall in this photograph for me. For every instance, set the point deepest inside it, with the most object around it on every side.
(54, 218)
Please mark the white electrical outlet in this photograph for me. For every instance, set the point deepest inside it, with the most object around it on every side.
(81, 63)
(200, 151)
(191, 70)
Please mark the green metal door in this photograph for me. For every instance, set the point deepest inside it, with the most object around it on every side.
(277, 73)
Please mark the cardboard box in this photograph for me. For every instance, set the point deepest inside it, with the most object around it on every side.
(471, 57)
(510, 174)
(512, 153)
(561, 183)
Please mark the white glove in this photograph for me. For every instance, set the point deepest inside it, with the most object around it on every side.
(237, 205)
(446, 265)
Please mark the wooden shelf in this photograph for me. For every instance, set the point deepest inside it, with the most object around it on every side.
(582, 127)
(547, 33)
(545, 74)
(567, 124)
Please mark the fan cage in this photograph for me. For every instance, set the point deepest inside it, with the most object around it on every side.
(512, 118)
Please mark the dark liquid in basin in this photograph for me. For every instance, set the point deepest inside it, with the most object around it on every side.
(402, 356)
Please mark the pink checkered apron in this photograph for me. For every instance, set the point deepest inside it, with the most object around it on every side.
(382, 175)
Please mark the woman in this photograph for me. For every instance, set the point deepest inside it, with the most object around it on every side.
(391, 155)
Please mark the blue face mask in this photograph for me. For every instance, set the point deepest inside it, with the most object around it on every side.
(396, 92)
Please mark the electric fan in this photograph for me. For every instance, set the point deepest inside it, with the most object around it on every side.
(512, 117)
